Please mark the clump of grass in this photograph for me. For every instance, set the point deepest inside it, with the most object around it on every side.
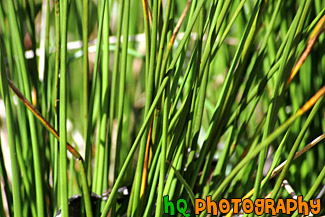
(178, 98)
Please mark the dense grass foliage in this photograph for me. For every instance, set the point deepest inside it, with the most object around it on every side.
(178, 98)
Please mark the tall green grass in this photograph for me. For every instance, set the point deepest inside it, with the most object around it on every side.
(178, 98)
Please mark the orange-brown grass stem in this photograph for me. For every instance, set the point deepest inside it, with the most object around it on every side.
(23, 99)
(147, 11)
(146, 163)
(319, 28)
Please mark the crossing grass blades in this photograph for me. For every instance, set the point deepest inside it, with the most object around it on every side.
(108, 106)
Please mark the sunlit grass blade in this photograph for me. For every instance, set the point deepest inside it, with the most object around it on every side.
(26, 86)
(71, 149)
(12, 145)
(280, 167)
